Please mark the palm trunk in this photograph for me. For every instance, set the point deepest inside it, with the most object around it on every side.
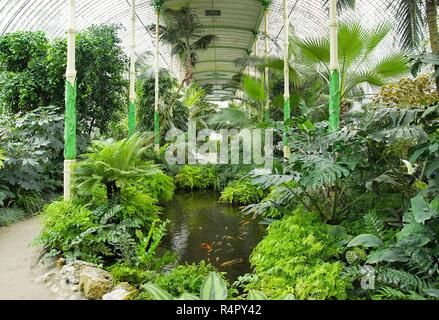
(431, 8)
(189, 72)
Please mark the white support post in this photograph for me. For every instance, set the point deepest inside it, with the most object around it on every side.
(266, 73)
(333, 27)
(70, 114)
(132, 93)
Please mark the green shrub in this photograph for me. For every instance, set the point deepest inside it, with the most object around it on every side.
(32, 152)
(184, 278)
(241, 192)
(112, 208)
(160, 186)
(66, 229)
(9, 216)
(296, 258)
(195, 178)
(138, 206)
(123, 272)
(101, 233)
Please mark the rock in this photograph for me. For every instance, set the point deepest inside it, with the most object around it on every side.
(47, 277)
(95, 282)
(123, 291)
(61, 262)
(72, 272)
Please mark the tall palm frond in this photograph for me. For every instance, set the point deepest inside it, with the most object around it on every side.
(410, 21)
(357, 47)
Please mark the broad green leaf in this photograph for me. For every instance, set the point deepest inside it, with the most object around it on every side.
(414, 240)
(410, 229)
(156, 292)
(189, 296)
(256, 295)
(421, 210)
(387, 255)
(366, 240)
(213, 288)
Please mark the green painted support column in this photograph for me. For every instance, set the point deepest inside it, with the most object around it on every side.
(334, 88)
(334, 101)
(131, 118)
(287, 108)
(132, 93)
(70, 103)
(70, 122)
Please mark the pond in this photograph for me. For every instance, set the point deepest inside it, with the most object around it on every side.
(203, 229)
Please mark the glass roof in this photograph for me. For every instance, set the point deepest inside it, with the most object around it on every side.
(235, 28)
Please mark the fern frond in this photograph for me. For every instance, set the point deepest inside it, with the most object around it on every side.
(403, 280)
(374, 224)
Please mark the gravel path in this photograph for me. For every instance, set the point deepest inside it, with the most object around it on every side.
(18, 263)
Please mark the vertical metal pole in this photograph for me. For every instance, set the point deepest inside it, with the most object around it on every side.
(70, 102)
(157, 88)
(266, 71)
(132, 96)
(334, 91)
(287, 111)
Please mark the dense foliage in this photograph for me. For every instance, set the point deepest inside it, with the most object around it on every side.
(114, 213)
(32, 157)
(33, 69)
(356, 205)
(299, 256)
(195, 178)
(242, 192)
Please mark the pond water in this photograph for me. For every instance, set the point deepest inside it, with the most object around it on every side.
(203, 229)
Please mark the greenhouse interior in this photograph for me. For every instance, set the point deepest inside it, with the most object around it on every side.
(219, 150)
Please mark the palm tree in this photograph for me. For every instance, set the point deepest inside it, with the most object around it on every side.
(411, 22)
(357, 46)
(184, 33)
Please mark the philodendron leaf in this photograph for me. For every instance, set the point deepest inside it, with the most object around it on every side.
(156, 292)
(189, 296)
(213, 288)
(387, 255)
(422, 210)
(366, 240)
(256, 295)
